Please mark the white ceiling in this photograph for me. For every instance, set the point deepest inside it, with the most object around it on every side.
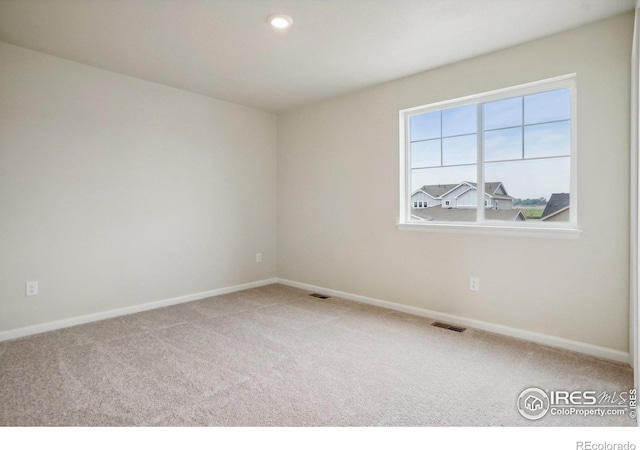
(225, 49)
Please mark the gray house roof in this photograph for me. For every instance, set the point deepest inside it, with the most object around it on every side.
(437, 213)
(437, 190)
(490, 188)
(556, 203)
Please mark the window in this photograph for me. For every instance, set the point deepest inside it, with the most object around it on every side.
(511, 150)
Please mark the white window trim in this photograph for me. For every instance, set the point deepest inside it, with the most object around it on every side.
(501, 230)
(570, 230)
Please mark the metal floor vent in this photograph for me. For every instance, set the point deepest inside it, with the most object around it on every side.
(323, 297)
(446, 326)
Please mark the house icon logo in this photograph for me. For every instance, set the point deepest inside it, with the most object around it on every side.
(533, 403)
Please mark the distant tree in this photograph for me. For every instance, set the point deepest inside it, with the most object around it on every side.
(530, 201)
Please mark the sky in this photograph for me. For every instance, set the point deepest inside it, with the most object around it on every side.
(527, 144)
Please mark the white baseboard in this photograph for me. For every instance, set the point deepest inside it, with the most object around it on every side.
(64, 323)
(552, 341)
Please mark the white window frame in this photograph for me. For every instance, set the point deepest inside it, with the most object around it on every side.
(561, 230)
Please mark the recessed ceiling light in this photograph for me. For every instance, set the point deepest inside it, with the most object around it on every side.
(280, 21)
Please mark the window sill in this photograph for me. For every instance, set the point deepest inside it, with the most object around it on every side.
(493, 230)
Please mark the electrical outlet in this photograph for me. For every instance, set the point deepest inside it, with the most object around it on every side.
(474, 284)
(258, 257)
(31, 288)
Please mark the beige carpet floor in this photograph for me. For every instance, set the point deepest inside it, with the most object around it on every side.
(275, 356)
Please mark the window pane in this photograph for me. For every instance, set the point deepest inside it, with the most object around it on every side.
(527, 188)
(452, 194)
(552, 139)
(547, 106)
(503, 144)
(503, 113)
(425, 153)
(460, 150)
(425, 126)
(524, 138)
(461, 120)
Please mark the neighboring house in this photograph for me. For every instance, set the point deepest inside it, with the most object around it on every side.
(461, 195)
(557, 209)
(457, 203)
(428, 196)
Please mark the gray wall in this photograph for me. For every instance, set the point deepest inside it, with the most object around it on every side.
(116, 191)
(330, 152)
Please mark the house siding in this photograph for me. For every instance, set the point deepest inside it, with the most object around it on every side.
(469, 199)
(503, 204)
(451, 196)
(422, 197)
